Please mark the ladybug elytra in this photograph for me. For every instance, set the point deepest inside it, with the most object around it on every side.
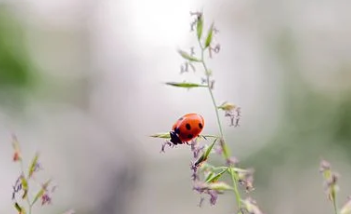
(187, 128)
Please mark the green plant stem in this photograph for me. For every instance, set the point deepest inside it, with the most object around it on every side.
(209, 88)
(30, 205)
(226, 152)
(335, 206)
(235, 186)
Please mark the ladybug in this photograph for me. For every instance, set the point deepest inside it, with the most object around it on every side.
(187, 128)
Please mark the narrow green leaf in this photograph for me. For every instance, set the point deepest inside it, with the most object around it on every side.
(209, 36)
(226, 106)
(19, 209)
(41, 191)
(205, 155)
(187, 56)
(161, 135)
(24, 186)
(38, 195)
(216, 176)
(185, 84)
(199, 26)
(209, 176)
(33, 165)
(209, 149)
(220, 186)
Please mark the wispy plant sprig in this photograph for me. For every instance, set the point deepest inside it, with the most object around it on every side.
(330, 179)
(331, 187)
(24, 197)
(22, 189)
(210, 180)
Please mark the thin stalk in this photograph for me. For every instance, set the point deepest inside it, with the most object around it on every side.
(335, 206)
(30, 205)
(226, 152)
(235, 186)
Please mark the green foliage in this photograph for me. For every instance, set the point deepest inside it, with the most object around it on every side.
(16, 70)
(185, 84)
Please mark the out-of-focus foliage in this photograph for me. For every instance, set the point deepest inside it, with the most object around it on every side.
(16, 70)
(313, 121)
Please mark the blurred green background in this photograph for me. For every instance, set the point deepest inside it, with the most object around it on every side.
(80, 81)
(17, 74)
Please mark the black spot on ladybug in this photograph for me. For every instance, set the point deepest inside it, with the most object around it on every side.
(190, 136)
(177, 131)
(180, 119)
(200, 126)
(188, 126)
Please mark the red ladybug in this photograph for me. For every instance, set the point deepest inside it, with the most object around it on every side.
(187, 128)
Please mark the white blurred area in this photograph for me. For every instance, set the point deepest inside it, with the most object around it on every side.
(103, 64)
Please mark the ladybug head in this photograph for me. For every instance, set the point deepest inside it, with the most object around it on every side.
(174, 138)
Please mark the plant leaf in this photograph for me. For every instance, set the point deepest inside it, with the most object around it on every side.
(187, 56)
(220, 186)
(226, 106)
(199, 26)
(38, 195)
(161, 135)
(209, 176)
(33, 165)
(205, 155)
(19, 209)
(24, 186)
(41, 191)
(185, 84)
(209, 36)
(209, 149)
(216, 176)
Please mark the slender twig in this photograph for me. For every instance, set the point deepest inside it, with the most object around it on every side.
(30, 205)
(226, 152)
(335, 206)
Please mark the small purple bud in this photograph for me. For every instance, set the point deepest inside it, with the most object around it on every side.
(213, 196)
(194, 174)
(45, 199)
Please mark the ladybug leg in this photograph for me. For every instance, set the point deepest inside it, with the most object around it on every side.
(165, 144)
(192, 143)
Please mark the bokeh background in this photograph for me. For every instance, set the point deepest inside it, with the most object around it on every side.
(81, 82)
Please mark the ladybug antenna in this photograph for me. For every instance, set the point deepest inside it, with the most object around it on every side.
(203, 137)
